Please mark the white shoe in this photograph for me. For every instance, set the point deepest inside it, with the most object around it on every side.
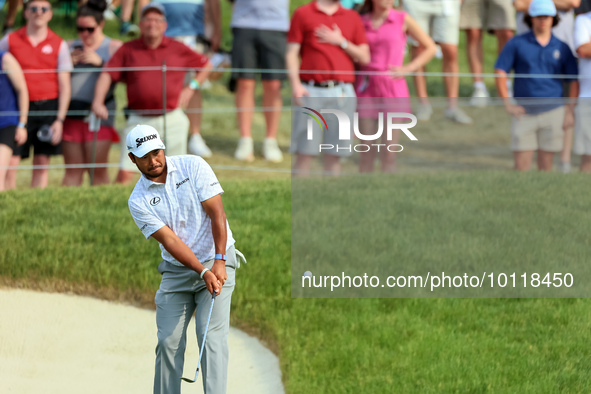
(457, 115)
(198, 147)
(424, 111)
(271, 151)
(564, 167)
(245, 149)
(479, 98)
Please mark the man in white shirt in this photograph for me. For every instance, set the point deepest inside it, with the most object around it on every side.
(178, 202)
(582, 41)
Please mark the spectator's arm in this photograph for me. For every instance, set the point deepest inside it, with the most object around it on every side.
(563, 5)
(204, 72)
(63, 104)
(216, 18)
(359, 53)
(292, 62)
(521, 5)
(100, 93)
(501, 82)
(584, 50)
(17, 79)
(4, 44)
(424, 40)
(566, 5)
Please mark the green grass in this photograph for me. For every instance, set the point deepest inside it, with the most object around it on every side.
(84, 240)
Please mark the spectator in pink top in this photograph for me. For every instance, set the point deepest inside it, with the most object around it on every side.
(386, 31)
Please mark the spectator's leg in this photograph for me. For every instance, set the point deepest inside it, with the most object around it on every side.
(585, 163)
(332, 164)
(419, 79)
(73, 154)
(126, 10)
(545, 160)
(245, 105)
(195, 103)
(40, 176)
(474, 53)
(503, 35)
(125, 177)
(101, 174)
(272, 99)
(5, 155)
(389, 158)
(523, 160)
(302, 165)
(450, 65)
(13, 6)
(565, 155)
(366, 159)
(10, 182)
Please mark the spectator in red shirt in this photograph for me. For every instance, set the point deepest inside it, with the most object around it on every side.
(36, 47)
(144, 87)
(328, 38)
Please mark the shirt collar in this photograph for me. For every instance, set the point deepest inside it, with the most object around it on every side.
(391, 18)
(532, 38)
(170, 167)
(339, 10)
(163, 44)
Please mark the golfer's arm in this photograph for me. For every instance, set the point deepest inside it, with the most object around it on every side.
(178, 249)
(215, 210)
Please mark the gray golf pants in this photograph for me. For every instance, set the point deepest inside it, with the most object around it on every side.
(182, 292)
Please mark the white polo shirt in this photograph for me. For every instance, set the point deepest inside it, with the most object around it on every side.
(582, 36)
(177, 204)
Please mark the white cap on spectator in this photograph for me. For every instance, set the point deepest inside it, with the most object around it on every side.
(541, 8)
(143, 139)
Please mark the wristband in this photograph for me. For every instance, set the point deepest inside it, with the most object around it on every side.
(21, 124)
(344, 44)
(194, 84)
(203, 272)
(221, 257)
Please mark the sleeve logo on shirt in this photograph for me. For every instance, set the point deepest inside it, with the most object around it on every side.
(155, 201)
(215, 183)
(181, 182)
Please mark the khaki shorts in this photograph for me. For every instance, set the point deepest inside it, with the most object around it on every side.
(175, 140)
(538, 132)
(341, 97)
(487, 15)
(582, 141)
(439, 18)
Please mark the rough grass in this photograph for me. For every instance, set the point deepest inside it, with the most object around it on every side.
(84, 240)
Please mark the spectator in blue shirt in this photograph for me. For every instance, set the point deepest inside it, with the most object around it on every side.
(539, 115)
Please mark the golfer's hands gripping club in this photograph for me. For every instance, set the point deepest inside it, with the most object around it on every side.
(212, 282)
(219, 269)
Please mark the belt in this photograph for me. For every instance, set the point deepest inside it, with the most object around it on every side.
(324, 84)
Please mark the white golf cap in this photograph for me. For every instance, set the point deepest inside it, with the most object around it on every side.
(143, 139)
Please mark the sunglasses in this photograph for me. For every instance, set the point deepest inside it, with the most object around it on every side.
(43, 10)
(82, 29)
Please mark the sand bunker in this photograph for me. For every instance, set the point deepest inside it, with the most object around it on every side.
(59, 343)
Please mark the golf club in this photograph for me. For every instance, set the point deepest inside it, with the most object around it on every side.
(202, 343)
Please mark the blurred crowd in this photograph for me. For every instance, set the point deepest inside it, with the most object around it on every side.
(350, 54)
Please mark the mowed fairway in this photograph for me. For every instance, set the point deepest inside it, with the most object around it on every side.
(84, 240)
